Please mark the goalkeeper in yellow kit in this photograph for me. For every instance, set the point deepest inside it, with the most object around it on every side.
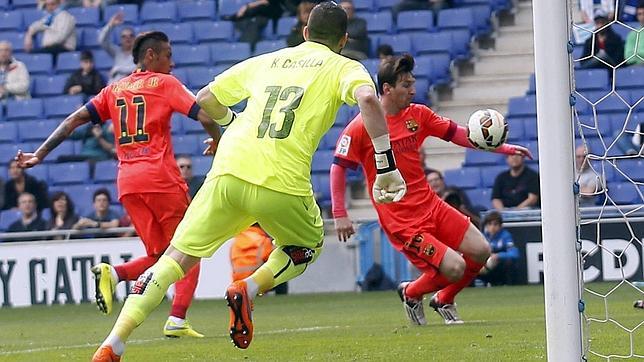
(261, 171)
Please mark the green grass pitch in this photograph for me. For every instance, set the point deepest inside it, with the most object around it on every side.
(502, 324)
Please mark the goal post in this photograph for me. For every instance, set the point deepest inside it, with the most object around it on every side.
(558, 205)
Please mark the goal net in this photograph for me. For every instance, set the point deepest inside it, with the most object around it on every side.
(608, 115)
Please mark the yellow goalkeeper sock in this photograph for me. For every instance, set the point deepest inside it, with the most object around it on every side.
(146, 294)
(284, 264)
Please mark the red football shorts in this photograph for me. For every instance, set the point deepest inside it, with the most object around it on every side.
(155, 217)
(425, 242)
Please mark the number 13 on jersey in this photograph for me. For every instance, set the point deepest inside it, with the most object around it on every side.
(275, 93)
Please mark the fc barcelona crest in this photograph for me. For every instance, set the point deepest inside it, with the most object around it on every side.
(429, 250)
(412, 125)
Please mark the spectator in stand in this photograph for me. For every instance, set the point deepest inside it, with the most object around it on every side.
(29, 220)
(58, 28)
(185, 167)
(123, 64)
(2, 193)
(517, 187)
(590, 183)
(385, 52)
(251, 18)
(14, 76)
(98, 143)
(20, 182)
(452, 195)
(357, 46)
(92, 3)
(435, 5)
(634, 48)
(63, 216)
(86, 80)
(606, 46)
(102, 217)
(501, 266)
(296, 36)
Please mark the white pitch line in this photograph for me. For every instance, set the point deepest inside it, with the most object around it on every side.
(143, 341)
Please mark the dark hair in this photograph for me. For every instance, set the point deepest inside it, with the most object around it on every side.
(145, 41)
(493, 216)
(640, 5)
(385, 49)
(102, 191)
(327, 23)
(87, 55)
(431, 170)
(390, 70)
(70, 204)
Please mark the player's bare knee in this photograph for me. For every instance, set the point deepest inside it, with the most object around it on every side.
(454, 270)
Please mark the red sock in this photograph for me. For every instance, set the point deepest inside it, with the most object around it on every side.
(184, 290)
(133, 268)
(426, 283)
(447, 294)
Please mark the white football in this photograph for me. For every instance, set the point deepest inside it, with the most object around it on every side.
(487, 129)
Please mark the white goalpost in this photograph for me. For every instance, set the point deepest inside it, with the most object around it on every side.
(554, 117)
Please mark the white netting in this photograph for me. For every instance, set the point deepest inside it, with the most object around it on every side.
(609, 119)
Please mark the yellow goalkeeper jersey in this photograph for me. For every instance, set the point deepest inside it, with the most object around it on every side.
(293, 96)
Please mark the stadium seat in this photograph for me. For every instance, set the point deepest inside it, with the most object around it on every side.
(422, 91)
(591, 79)
(64, 149)
(41, 172)
(178, 33)
(230, 7)
(284, 26)
(16, 38)
(624, 193)
(461, 40)
(8, 217)
(37, 63)
(191, 55)
(489, 173)
(385, 4)
(330, 139)
(321, 188)
(130, 12)
(198, 77)
(432, 43)
(89, 38)
(49, 86)
(516, 131)
(461, 18)
(480, 198)
(400, 43)
(11, 21)
(86, 17)
(36, 130)
(181, 74)
(24, 109)
(481, 158)
(69, 173)
(4, 4)
(187, 145)
(441, 69)
(190, 126)
(105, 171)
(322, 161)
(82, 196)
(213, 31)
(482, 15)
(363, 5)
(62, 106)
(466, 178)
(267, 46)
(30, 15)
(201, 165)
(8, 133)
(613, 104)
(633, 168)
(158, 12)
(226, 53)
(522, 106)
(631, 77)
(196, 10)
(380, 22)
(24, 3)
(423, 67)
(67, 62)
(371, 65)
(530, 128)
(416, 20)
(345, 115)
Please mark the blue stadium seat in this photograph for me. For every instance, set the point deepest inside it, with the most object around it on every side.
(24, 109)
(481, 158)
(480, 198)
(187, 145)
(330, 139)
(7, 149)
(8, 217)
(522, 106)
(198, 77)
(422, 91)
(16, 38)
(400, 43)
(482, 15)
(158, 12)
(49, 86)
(190, 126)
(81, 196)
(380, 22)
(462, 18)
(24, 3)
(89, 38)
(226, 53)
(530, 128)
(11, 21)
(62, 106)
(221, 31)
(363, 5)
(181, 74)
(130, 12)
(623, 193)
(69, 173)
(432, 43)
(4, 4)
(30, 15)
(267, 46)
(284, 26)
(466, 178)
(440, 71)
(321, 188)
(196, 10)
(489, 173)
(37, 63)
(86, 17)
(8, 133)
(371, 65)
(516, 131)
(461, 40)
(201, 165)
(41, 172)
(613, 104)
(36, 130)
(191, 55)
(345, 115)
(178, 33)
(230, 7)
(423, 67)
(322, 161)
(591, 79)
(67, 62)
(385, 4)
(633, 168)
(416, 20)
(105, 171)
(176, 124)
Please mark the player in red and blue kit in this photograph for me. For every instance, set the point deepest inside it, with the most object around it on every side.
(150, 185)
(436, 238)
